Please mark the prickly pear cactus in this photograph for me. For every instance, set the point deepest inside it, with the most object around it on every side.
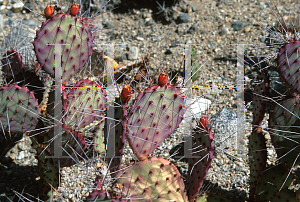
(85, 103)
(257, 142)
(76, 37)
(288, 66)
(200, 160)
(154, 179)
(19, 110)
(156, 113)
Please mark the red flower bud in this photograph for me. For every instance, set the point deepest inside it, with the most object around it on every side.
(204, 121)
(162, 79)
(49, 11)
(126, 93)
(74, 9)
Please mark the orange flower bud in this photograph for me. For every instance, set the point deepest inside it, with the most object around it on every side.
(49, 11)
(126, 93)
(162, 79)
(74, 9)
(204, 121)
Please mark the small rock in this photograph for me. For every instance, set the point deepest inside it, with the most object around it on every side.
(169, 51)
(133, 53)
(13, 150)
(149, 21)
(175, 43)
(8, 22)
(109, 25)
(262, 6)
(183, 18)
(153, 28)
(192, 29)
(224, 31)
(9, 13)
(156, 38)
(22, 147)
(194, 8)
(21, 155)
(140, 38)
(31, 150)
(17, 7)
(2, 7)
(29, 22)
(247, 29)
(223, 125)
(237, 25)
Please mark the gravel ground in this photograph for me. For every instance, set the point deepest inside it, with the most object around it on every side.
(211, 25)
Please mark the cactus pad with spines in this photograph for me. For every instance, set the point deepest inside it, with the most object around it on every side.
(257, 142)
(19, 109)
(85, 103)
(200, 160)
(288, 66)
(154, 179)
(63, 29)
(284, 121)
(155, 114)
(12, 64)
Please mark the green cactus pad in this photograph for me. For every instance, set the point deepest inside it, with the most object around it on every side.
(272, 181)
(98, 139)
(284, 124)
(156, 113)
(153, 179)
(85, 103)
(19, 110)
(261, 90)
(257, 142)
(288, 66)
(63, 29)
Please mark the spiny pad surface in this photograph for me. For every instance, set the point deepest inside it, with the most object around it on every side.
(284, 124)
(63, 29)
(288, 65)
(153, 179)
(156, 113)
(200, 161)
(19, 109)
(85, 103)
(12, 64)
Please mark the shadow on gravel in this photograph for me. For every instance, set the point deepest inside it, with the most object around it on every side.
(21, 179)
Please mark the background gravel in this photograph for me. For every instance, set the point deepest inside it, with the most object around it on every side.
(215, 26)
